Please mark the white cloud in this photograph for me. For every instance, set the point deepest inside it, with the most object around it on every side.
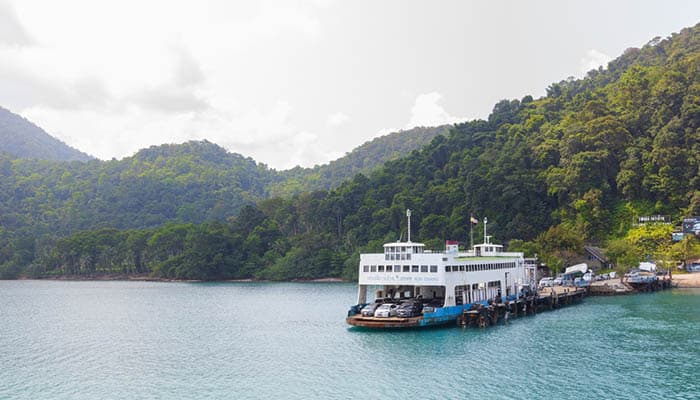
(337, 119)
(427, 111)
(12, 31)
(594, 59)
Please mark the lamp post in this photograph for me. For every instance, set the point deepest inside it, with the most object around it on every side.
(408, 214)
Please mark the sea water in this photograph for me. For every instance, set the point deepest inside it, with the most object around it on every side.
(151, 340)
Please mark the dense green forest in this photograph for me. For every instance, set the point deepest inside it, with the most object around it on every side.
(362, 160)
(192, 182)
(574, 166)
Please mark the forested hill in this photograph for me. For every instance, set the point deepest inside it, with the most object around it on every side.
(191, 182)
(362, 160)
(23, 139)
(578, 164)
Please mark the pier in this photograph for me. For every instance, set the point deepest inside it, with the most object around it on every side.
(481, 316)
(616, 287)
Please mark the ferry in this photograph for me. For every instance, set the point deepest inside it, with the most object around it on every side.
(436, 287)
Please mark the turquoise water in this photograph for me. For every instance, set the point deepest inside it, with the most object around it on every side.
(143, 340)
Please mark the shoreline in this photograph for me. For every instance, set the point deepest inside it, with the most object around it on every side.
(688, 281)
(149, 278)
(681, 281)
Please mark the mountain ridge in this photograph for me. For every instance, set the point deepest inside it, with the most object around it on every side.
(24, 139)
(579, 164)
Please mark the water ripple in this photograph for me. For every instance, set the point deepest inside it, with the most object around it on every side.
(141, 340)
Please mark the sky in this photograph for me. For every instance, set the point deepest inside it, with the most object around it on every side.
(297, 82)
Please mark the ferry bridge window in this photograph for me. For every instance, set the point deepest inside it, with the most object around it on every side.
(447, 268)
(433, 268)
(380, 268)
(461, 268)
(406, 268)
(373, 268)
(414, 268)
(365, 268)
(408, 256)
(386, 256)
(397, 268)
(423, 268)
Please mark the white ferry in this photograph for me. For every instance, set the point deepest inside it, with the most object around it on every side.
(436, 287)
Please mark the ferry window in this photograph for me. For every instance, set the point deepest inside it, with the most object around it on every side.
(403, 249)
(447, 268)
(373, 268)
(380, 268)
(406, 268)
(408, 256)
(403, 256)
(386, 256)
(423, 268)
(365, 268)
(414, 268)
(397, 268)
(433, 268)
(461, 268)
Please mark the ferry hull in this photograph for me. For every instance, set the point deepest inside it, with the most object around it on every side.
(440, 316)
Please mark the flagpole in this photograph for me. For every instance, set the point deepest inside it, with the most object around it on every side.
(471, 230)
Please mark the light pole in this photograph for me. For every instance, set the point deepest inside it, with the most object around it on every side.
(408, 214)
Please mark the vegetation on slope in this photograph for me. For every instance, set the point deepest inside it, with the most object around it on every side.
(21, 138)
(577, 165)
(362, 160)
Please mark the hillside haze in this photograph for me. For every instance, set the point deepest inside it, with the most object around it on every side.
(21, 138)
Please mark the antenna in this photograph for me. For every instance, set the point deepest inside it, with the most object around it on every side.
(408, 214)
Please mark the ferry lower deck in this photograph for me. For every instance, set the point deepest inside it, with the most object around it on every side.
(479, 314)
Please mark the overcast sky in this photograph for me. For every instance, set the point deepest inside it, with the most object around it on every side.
(290, 82)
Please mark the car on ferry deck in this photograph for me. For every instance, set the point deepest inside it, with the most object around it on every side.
(410, 309)
(386, 310)
(369, 309)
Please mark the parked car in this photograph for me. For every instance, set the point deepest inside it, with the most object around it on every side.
(386, 310)
(369, 309)
(409, 309)
(546, 282)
